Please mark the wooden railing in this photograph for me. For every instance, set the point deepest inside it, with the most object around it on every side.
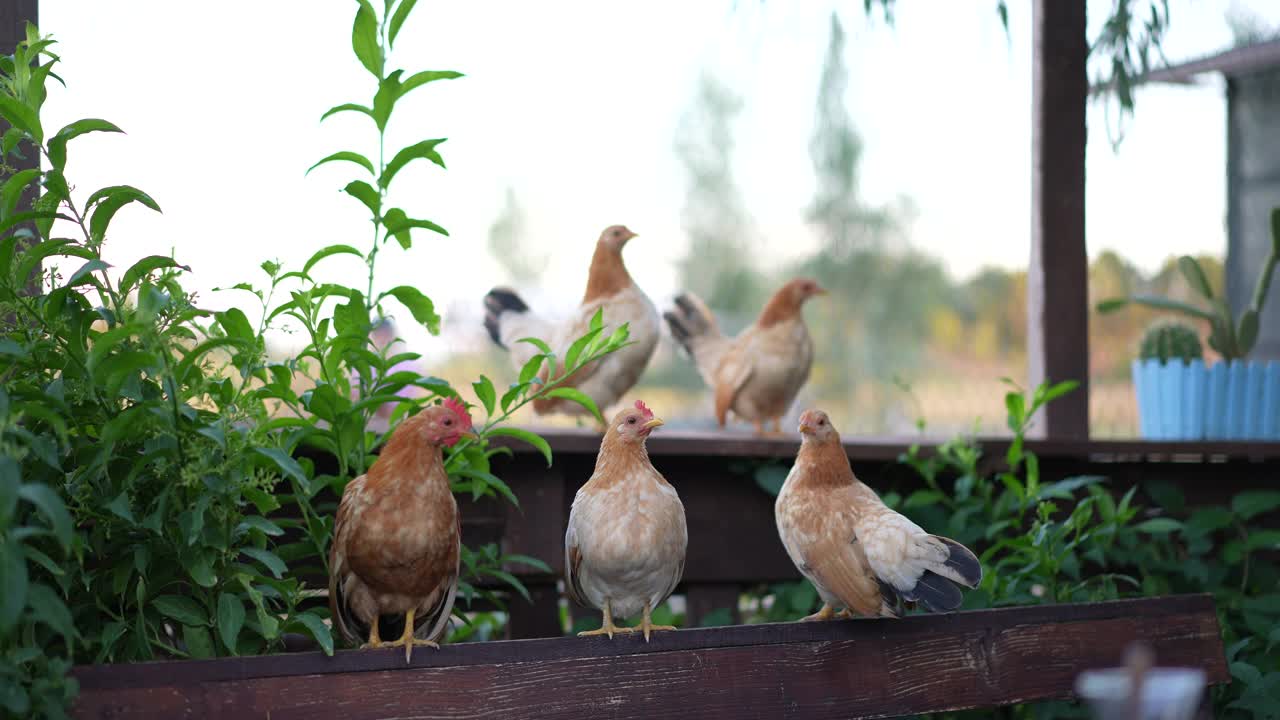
(840, 669)
(732, 541)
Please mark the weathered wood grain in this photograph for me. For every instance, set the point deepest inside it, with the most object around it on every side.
(844, 669)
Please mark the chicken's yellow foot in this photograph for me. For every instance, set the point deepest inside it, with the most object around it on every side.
(845, 614)
(826, 613)
(408, 640)
(607, 627)
(374, 641)
(646, 625)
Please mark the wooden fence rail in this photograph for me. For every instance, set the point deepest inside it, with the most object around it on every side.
(842, 669)
(732, 541)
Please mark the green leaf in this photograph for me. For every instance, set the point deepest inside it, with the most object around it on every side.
(1207, 520)
(770, 478)
(183, 609)
(13, 188)
(85, 272)
(1195, 276)
(21, 117)
(13, 579)
(318, 630)
(287, 465)
(484, 391)
(58, 143)
(425, 150)
(524, 435)
(1247, 334)
(393, 29)
(346, 107)
(384, 100)
(144, 267)
(48, 608)
(230, 619)
(576, 395)
(347, 156)
(1263, 539)
(364, 39)
(121, 507)
(235, 324)
(365, 193)
(329, 251)
(400, 223)
(107, 201)
(922, 498)
(419, 305)
(419, 79)
(198, 641)
(260, 523)
(269, 559)
(1158, 303)
(1255, 502)
(1159, 526)
(542, 346)
(51, 507)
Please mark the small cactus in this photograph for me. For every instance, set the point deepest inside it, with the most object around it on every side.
(1171, 340)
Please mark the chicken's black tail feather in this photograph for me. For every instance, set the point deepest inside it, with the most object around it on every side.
(496, 302)
(686, 321)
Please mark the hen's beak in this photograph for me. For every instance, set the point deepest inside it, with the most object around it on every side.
(631, 235)
(806, 429)
(656, 422)
(469, 435)
(820, 291)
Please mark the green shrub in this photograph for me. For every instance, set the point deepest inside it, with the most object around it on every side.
(147, 493)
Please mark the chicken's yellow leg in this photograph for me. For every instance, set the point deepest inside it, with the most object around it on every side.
(760, 427)
(408, 640)
(646, 624)
(606, 627)
(374, 640)
(826, 613)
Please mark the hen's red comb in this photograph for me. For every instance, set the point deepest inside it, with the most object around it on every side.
(460, 410)
(644, 409)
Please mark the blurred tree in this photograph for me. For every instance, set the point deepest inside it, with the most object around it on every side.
(719, 265)
(507, 243)
(880, 314)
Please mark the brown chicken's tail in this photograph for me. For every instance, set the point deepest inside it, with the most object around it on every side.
(691, 322)
(939, 586)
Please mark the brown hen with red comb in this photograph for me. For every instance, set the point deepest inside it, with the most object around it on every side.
(393, 563)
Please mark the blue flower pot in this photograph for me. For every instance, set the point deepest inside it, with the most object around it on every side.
(1228, 401)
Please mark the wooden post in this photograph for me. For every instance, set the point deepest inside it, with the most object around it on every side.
(14, 16)
(1058, 277)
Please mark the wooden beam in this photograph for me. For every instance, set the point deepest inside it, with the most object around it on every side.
(840, 669)
(1058, 277)
(14, 16)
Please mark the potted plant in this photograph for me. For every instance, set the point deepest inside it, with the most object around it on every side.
(1169, 379)
(1233, 399)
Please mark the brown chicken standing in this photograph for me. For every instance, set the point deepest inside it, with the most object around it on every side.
(859, 554)
(624, 549)
(758, 373)
(396, 538)
(609, 286)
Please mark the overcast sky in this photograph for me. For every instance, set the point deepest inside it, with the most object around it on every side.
(574, 103)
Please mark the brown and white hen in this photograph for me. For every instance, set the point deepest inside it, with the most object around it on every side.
(625, 546)
(609, 286)
(859, 554)
(396, 538)
(758, 373)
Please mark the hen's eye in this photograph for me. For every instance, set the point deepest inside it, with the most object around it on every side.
(631, 420)
(822, 422)
(447, 422)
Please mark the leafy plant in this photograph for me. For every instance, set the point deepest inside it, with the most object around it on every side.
(149, 481)
(127, 439)
(351, 377)
(1170, 341)
(1233, 339)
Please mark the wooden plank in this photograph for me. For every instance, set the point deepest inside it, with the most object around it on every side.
(1058, 276)
(571, 443)
(14, 16)
(857, 668)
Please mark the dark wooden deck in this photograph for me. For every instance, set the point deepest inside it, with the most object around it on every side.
(841, 669)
